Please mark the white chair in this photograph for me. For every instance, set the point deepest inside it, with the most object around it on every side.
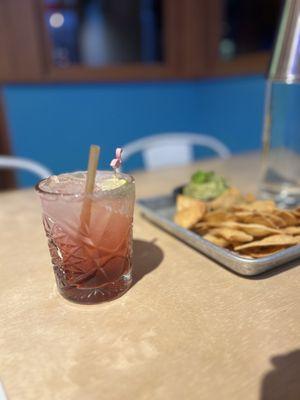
(26, 164)
(169, 149)
(2, 392)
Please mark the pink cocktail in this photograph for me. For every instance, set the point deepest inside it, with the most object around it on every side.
(89, 236)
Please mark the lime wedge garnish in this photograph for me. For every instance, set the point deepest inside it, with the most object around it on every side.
(112, 183)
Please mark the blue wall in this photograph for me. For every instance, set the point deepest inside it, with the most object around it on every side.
(55, 124)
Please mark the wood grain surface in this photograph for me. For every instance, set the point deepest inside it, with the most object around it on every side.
(187, 329)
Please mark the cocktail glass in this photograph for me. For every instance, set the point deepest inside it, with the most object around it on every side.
(89, 236)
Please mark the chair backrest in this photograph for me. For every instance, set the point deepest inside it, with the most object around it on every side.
(169, 149)
(26, 164)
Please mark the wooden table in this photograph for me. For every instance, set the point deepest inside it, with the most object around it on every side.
(187, 329)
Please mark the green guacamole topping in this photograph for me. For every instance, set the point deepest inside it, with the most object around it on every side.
(205, 186)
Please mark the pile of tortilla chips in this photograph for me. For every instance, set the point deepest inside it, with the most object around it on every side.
(253, 228)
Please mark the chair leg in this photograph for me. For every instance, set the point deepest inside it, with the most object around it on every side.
(7, 177)
(7, 180)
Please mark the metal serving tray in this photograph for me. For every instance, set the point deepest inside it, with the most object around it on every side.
(160, 210)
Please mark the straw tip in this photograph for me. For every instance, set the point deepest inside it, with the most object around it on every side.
(95, 147)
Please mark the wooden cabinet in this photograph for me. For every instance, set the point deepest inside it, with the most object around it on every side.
(30, 53)
(244, 35)
(100, 40)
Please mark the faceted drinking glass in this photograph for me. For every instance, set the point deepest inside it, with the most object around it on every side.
(91, 256)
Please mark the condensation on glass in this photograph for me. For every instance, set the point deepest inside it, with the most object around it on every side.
(95, 33)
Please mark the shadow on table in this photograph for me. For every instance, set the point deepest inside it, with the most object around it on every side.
(146, 257)
(276, 271)
(283, 381)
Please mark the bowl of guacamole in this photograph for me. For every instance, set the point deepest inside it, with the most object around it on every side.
(205, 186)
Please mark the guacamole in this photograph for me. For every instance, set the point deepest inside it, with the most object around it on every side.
(205, 186)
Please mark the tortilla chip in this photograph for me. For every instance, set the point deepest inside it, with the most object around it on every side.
(276, 219)
(219, 241)
(274, 240)
(218, 216)
(246, 256)
(297, 238)
(249, 197)
(263, 252)
(292, 230)
(255, 230)
(287, 216)
(188, 217)
(254, 217)
(259, 205)
(227, 199)
(183, 202)
(201, 227)
(296, 213)
(232, 235)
